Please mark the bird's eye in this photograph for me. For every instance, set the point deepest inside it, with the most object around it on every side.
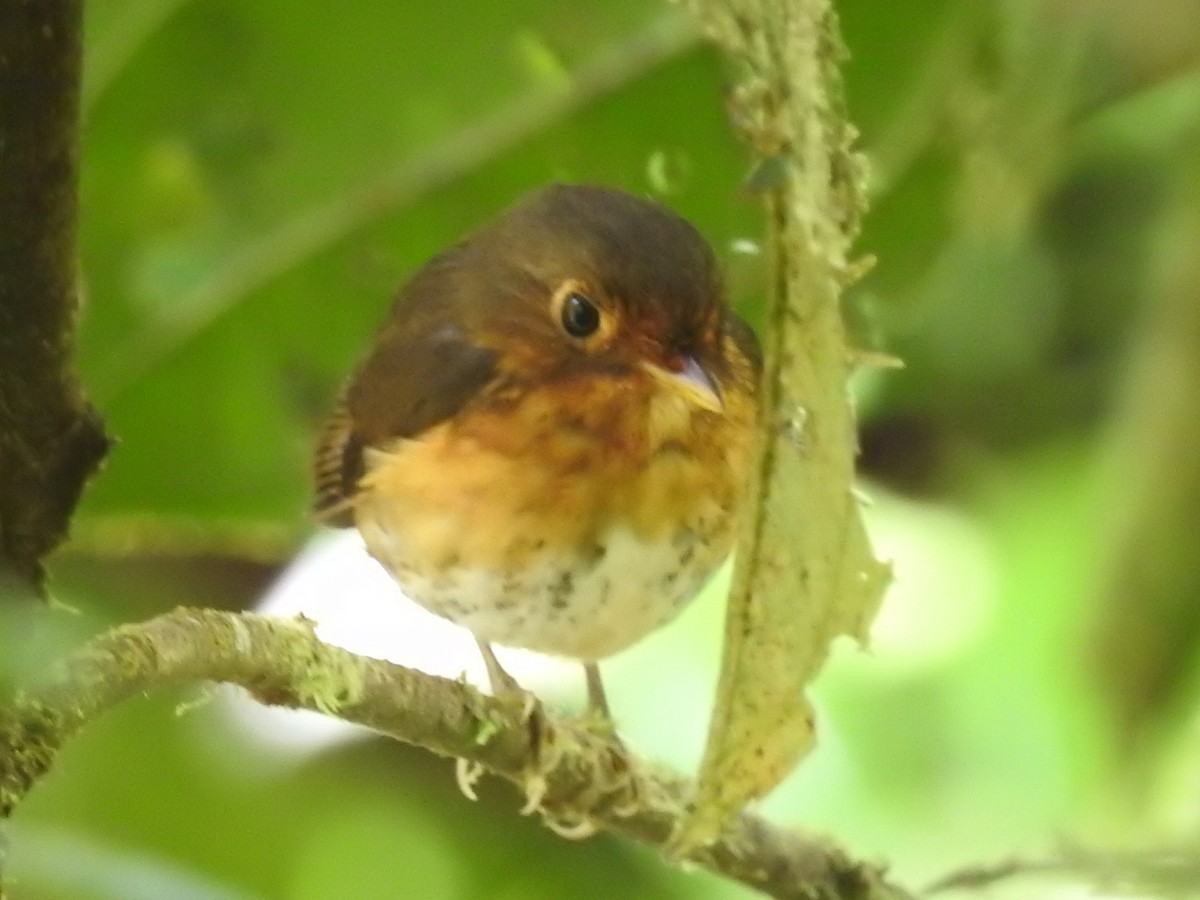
(580, 317)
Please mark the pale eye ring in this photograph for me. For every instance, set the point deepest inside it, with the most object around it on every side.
(580, 317)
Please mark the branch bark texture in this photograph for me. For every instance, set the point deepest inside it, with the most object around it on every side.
(51, 440)
(577, 780)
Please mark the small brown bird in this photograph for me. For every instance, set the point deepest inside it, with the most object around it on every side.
(548, 440)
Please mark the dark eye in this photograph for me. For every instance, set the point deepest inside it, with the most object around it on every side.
(580, 317)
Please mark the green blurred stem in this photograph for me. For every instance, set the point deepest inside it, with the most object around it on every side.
(1167, 872)
(1147, 633)
(108, 56)
(51, 440)
(583, 779)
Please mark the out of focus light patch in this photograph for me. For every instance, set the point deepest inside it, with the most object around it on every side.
(938, 609)
(57, 862)
(356, 605)
(945, 583)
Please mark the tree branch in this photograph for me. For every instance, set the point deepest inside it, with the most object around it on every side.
(577, 780)
(51, 440)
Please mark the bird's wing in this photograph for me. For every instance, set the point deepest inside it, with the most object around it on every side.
(413, 379)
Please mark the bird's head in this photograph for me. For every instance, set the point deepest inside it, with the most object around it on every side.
(577, 281)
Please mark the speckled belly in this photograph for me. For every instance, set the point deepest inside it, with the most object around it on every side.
(572, 541)
(582, 606)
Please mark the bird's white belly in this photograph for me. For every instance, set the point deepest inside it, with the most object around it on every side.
(583, 607)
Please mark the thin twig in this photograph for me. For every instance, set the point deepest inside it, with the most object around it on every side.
(1164, 872)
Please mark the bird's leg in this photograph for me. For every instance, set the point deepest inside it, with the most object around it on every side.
(614, 778)
(597, 702)
(501, 682)
(506, 689)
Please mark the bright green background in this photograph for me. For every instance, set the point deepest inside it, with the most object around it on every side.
(247, 212)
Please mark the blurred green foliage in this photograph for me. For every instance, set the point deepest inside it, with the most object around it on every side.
(258, 179)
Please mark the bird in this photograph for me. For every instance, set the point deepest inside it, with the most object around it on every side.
(549, 439)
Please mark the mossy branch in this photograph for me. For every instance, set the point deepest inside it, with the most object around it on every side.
(51, 440)
(575, 779)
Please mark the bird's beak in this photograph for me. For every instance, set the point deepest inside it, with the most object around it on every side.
(687, 377)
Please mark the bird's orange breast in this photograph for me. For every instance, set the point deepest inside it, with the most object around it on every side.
(527, 504)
